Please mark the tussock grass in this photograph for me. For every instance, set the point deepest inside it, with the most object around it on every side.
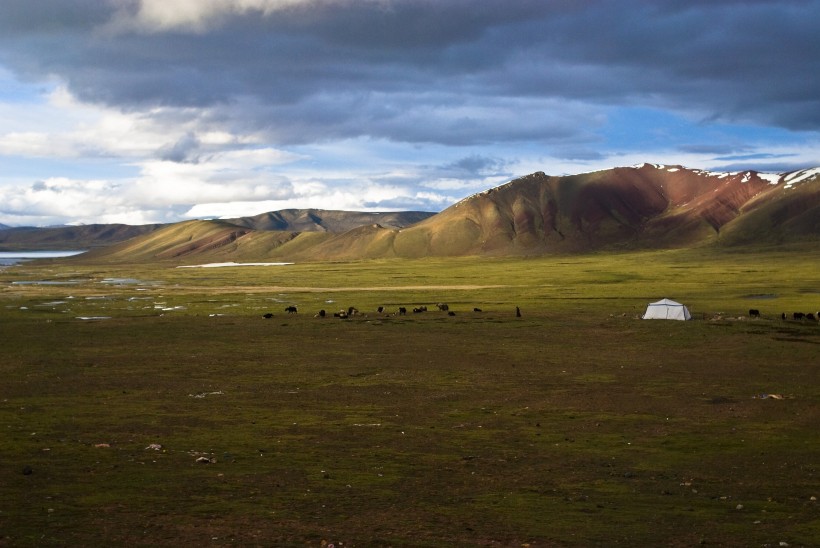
(576, 424)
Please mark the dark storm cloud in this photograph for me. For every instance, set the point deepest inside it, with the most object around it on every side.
(757, 156)
(714, 149)
(183, 150)
(445, 71)
(475, 168)
(478, 165)
(763, 162)
(583, 154)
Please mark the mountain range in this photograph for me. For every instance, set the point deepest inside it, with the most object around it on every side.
(29, 238)
(638, 207)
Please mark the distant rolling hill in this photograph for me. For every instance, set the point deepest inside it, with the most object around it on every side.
(321, 220)
(288, 220)
(68, 237)
(639, 207)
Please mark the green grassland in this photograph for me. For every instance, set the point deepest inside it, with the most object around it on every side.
(576, 424)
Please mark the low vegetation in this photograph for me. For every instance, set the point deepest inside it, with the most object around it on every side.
(154, 405)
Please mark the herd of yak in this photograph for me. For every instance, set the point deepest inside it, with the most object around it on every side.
(811, 316)
(382, 311)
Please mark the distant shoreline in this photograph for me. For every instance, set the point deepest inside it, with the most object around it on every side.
(8, 258)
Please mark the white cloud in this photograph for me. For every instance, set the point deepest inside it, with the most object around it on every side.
(201, 15)
(226, 178)
(225, 167)
(54, 200)
(476, 184)
(56, 124)
(349, 195)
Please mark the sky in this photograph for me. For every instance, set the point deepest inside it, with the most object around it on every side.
(158, 111)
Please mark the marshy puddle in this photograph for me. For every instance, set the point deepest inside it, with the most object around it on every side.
(52, 303)
(48, 282)
(129, 281)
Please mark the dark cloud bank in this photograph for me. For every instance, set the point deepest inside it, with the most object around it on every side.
(446, 71)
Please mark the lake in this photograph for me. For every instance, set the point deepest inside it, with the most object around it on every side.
(13, 257)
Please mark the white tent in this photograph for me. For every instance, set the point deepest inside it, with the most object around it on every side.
(666, 309)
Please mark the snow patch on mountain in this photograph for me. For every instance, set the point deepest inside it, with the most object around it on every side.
(772, 178)
(796, 177)
(790, 179)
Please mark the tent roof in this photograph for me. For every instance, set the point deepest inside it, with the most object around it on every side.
(667, 302)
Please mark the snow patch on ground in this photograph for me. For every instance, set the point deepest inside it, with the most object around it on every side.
(219, 265)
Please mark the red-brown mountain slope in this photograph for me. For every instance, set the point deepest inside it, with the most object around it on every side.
(647, 206)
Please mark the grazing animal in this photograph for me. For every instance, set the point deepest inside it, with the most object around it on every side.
(443, 307)
(380, 309)
(267, 315)
(352, 311)
(476, 310)
(798, 315)
(341, 314)
(321, 314)
(754, 313)
(291, 309)
(451, 313)
(517, 312)
(811, 317)
(420, 309)
(402, 311)
(783, 316)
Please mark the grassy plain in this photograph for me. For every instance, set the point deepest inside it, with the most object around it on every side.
(576, 424)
